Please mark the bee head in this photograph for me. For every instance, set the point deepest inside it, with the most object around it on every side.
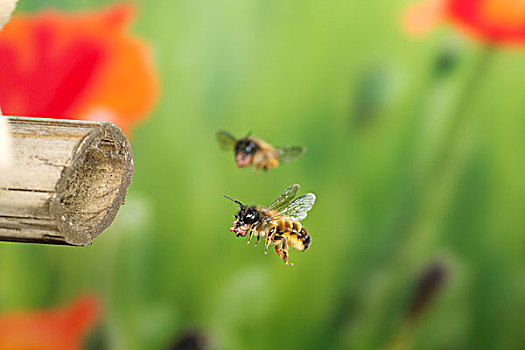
(245, 147)
(249, 216)
(246, 215)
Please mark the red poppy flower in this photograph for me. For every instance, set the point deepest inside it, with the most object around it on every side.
(60, 329)
(79, 66)
(492, 21)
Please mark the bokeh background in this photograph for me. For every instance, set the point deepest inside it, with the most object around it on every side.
(416, 154)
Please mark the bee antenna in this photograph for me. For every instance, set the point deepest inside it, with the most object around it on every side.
(248, 134)
(239, 203)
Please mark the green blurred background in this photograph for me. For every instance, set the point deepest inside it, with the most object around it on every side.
(415, 152)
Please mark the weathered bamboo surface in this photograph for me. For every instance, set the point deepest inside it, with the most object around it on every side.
(66, 182)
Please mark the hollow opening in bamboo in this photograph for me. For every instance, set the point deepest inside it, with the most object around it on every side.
(92, 188)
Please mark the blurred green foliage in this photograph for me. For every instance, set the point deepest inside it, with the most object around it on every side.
(389, 202)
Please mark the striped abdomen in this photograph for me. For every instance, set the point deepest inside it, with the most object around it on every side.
(295, 234)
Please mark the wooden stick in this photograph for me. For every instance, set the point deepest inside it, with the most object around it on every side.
(66, 182)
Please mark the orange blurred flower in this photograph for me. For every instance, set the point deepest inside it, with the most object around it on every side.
(492, 21)
(80, 66)
(61, 329)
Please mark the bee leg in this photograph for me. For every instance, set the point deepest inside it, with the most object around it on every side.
(282, 251)
(266, 244)
(284, 248)
(269, 238)
(258, 239)
(250, 236)
(279, 251)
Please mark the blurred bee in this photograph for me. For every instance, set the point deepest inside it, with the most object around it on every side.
(258, 153)
(279, 223)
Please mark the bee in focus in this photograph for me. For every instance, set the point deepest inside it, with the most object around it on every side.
(258, 153)
(279, 223)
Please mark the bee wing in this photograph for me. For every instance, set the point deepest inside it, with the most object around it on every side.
(226, 140)
(285, 198)
(286, 154)
(300, 207)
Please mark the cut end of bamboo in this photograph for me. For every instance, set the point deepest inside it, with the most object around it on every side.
(67, 183)
(92, 190)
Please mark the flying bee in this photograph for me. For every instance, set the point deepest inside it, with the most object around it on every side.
(279, 223)
(258, 153)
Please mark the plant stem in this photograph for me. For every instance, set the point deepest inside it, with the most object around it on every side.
(459, 113)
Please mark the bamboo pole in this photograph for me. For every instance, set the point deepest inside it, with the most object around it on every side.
(5, 145)
(66, 182)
